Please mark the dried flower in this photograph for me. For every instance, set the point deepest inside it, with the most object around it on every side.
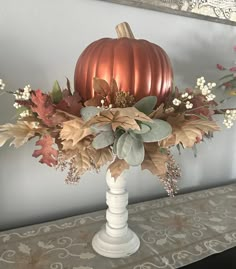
(124, 99)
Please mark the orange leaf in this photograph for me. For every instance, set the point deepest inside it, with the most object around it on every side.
(42, 105)
(49, 154)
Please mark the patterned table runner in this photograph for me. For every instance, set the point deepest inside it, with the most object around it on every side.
(173, 233)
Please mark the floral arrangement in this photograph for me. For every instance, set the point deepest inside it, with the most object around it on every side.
(112, 128)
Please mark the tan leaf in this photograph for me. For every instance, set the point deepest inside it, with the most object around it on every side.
(154, 161)
(100, 86)
(117, 167)
(125, 118)
(95, 101)
(188, 131)
(168, 142)
(82, 162)
(81, 145)
(158, 113)
(101, 156)
(74, 130)
(20, 132)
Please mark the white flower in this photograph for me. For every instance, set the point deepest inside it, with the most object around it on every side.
(188, 105)
(176, 102)
(23, 94)
(2, 85)
(210, 97)
(184, 95)
(25, 113)
(229, 117)
(16, 105)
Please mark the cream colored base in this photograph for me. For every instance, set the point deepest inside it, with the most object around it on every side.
(115, 247)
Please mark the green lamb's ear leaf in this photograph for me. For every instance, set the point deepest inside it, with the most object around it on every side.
(123, 145)
(146, 104)
(98, 129)
(56, 93)
(103, 140)
(88, 112)
(160, 129)
(136, 154)
(143, 129)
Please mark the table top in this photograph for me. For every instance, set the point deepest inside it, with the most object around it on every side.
(173, 232)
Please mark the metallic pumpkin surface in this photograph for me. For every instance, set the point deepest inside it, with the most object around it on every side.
(138, 66)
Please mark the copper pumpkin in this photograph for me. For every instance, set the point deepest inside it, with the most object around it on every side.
(138, 66)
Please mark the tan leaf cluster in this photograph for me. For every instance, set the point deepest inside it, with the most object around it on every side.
(20, 132)
(100, 157)
(117, 167)
(155, 161)
(74, 130)
(188, 132)
(124, 118)
(84, 157)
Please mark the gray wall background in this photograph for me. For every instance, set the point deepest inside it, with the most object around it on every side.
(40, 41)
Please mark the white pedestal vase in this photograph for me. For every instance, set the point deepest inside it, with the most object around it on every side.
(115, 239)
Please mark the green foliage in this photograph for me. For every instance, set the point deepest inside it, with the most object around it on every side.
(124, 145)
(159, 130)
(146, 104)
(103, 140)
(136, 153)
(56, 93)
(143, 129)
(89, 112)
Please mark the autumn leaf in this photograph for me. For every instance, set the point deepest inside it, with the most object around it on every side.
(101, 87)
(42, 105)
(74, 130)
(188, 131)
(155, 160)
(117, 167)
(95, 101)
(49, 154)
(158, 113)
(20, 132)
(61, 116)
(82, 162)
(70, 103)
(124, 118)
(101, 156)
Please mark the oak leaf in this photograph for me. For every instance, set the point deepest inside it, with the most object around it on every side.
(49, 154)
(42, 105)
(155, 161)
(20, 132)
(188, 132)
(74, 130)
(117, 167)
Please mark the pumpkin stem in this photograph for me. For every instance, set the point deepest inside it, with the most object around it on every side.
(123, 30)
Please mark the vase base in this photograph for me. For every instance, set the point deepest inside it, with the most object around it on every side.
(115, 247)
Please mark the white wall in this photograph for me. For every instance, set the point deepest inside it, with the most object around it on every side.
(41, 41)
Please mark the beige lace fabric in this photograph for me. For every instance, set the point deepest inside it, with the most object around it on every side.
(173, 232)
